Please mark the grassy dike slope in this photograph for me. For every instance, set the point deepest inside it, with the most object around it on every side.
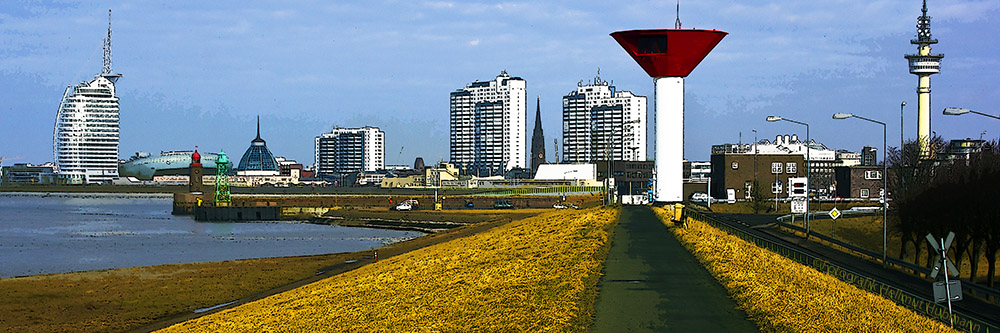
(781, 295)
(534, 274)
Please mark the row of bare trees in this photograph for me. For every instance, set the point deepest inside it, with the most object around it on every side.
(937, 194)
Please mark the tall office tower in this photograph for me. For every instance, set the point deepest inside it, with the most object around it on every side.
(488, 131)
(923, 65)
(86, 134)
(346, 150)
(600, 122)
(537, 139)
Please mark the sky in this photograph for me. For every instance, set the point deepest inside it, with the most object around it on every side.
(198, 73)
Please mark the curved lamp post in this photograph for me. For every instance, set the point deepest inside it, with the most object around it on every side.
(808, 164)
(885, 168)
(953, 111)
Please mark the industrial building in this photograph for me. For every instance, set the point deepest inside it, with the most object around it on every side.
(26, 173)
(487, 122)
(349, 150)
(601, 123)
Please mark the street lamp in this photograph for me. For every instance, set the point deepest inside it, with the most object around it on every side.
(953, 111)
(808, 165)
(901, 105)
(885, 168)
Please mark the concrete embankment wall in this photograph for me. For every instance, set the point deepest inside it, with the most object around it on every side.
(244, 207)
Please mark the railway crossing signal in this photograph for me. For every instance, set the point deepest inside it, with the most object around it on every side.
(948, 290)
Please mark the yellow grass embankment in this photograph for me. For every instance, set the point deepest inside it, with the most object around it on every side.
(784, 296)
(535, 274)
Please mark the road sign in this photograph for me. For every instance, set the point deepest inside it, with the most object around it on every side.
(950, 287)
(940, 290)
(942, 250)
(797, 187)
(835, 213)
(799, 206)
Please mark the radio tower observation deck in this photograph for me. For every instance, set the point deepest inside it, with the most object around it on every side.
(923, 65)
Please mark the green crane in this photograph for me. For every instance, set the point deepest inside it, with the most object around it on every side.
(222, 197)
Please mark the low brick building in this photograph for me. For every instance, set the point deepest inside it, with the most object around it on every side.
(738, 171)
(858, 181)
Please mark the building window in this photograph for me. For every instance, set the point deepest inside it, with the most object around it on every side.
(790, 167)
(864, 193)
(776, 167)
(873, 174)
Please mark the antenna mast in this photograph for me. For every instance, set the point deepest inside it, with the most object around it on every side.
(107, 48)
(677, 23)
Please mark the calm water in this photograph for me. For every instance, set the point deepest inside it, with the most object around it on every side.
(57, 233)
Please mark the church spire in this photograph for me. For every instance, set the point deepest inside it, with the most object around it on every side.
(537, 139)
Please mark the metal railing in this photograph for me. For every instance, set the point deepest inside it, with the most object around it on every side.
(923, 306)
(983, 292)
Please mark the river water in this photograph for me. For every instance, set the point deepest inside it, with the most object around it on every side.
(59, 232)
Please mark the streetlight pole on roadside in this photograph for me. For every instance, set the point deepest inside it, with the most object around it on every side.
(901, 105)
(885, 189)
(953, 111)
(808, 166)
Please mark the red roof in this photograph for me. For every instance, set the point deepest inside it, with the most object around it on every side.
(195, 159)
(668, 52)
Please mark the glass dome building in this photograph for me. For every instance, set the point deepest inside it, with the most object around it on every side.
(258, 160)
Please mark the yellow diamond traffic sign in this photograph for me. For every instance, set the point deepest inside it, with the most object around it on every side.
(834, 213)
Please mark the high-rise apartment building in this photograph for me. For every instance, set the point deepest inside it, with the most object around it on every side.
(86, 134)
(488, 131)
(869, 156)
(345, 150)
(601, 123)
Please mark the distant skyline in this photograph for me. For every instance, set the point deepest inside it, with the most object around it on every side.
(198, 73)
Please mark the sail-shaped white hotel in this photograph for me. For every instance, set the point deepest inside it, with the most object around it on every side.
(85, 138)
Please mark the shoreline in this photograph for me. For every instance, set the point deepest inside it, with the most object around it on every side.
(362, 258)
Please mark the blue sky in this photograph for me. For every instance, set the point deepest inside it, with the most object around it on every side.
(199, 72)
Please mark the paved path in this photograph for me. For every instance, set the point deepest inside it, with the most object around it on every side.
(653, 284)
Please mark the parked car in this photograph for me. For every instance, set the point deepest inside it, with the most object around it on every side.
(502, 204)
(404, 206)
(699, 197)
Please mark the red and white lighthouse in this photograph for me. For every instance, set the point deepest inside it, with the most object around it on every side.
(668, 56)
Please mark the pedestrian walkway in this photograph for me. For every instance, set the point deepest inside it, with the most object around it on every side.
(653, 284)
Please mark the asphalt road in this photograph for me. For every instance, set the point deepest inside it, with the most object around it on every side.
(653, 284)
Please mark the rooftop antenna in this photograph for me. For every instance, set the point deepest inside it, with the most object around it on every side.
(107, 48)
(677, 22)
(258, 127)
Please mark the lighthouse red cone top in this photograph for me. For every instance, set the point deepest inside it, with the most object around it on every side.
(668, 52)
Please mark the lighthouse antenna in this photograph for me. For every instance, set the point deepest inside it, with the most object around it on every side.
(677, 22)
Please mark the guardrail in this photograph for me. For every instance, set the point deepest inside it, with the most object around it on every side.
(988, 294)
(963, 321)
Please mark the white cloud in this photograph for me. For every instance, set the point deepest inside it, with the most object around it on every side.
(474, 42)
